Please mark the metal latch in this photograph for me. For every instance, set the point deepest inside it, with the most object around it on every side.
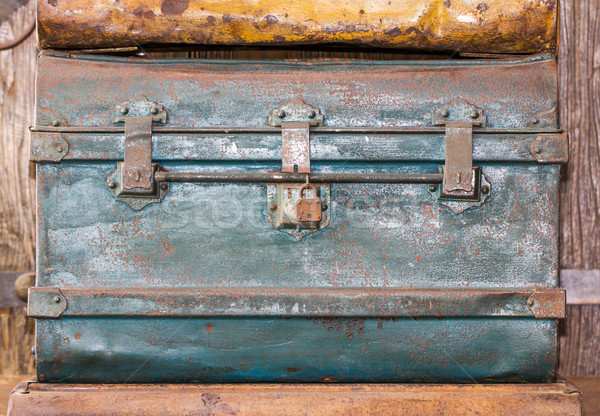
(133, 180)
(459, 117)
(289, 208)
(463, 185)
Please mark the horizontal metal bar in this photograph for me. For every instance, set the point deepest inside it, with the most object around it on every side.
(504, 147)
(305, 302)
(275, 130)
(278, 177)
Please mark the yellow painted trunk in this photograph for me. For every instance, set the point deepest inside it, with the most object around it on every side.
(479, 26)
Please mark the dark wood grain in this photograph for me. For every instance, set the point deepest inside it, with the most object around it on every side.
(579, 90)
(17, 185)
(16, 340)
(17, 197)
(579, 98)
(580, 343)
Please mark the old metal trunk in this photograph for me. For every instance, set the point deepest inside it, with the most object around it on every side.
(498, 26)
(175, 246)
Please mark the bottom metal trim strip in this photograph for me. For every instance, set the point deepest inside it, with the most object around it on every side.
(310, 302)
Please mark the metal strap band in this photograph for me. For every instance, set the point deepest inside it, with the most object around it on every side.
(295, 146)
(305, 302)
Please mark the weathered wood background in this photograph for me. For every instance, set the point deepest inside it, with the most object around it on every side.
(17, 185)
(579, 77)
(579, 69)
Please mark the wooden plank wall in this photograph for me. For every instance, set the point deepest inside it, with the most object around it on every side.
(579, 84)
(579, 71)
(17, 185)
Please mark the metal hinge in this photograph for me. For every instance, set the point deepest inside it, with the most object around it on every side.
(133, 180)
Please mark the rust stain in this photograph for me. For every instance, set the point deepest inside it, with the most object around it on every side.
(173, 7)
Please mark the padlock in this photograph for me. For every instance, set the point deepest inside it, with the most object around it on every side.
(308, 210)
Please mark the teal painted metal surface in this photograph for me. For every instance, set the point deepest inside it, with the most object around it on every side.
(383, 237)
(298, 349)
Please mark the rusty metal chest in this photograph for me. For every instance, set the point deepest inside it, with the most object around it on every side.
(226, 221)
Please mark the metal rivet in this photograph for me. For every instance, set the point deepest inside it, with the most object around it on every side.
(281, 114)
(535, 120)
(136, 175)
(272, 206)
(530, 302)
(485, 189)
(124, 110)
(112, 184)
(312, 114)
(537, 149)
(32, 350)
(56, 123)
(324, 207)
(154, 110)
(164, 186)
(59, 149)
(432, 188)
(474, 114)
(445, 113)
(56, 299)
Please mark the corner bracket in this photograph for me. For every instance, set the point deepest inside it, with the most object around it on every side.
(48, 147)
(550, 148)
(45, 303)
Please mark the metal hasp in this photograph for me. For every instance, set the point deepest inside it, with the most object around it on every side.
(461, 181)
(295, 119)
(295, 212)
(133, 180)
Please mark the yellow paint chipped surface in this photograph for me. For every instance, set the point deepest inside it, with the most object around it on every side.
(503, 26)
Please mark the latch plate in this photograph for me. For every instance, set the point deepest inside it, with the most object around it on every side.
(281, 208)
(460, 201)
(140, 106)
(136, 199)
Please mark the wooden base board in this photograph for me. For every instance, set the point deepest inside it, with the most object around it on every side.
(558, 399)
